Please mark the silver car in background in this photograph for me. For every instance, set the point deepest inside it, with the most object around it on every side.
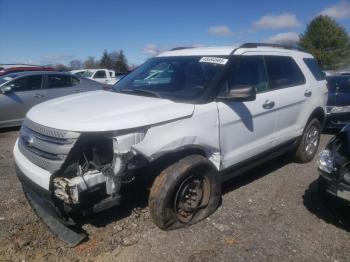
(21, 91)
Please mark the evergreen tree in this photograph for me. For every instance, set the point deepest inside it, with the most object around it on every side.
(120, 64)
(106, 61)
(327, 41)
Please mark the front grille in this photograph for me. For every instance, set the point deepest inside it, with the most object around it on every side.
(45, 147)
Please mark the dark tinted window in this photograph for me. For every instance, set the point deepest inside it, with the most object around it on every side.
(339, 84)
(26, 83)
(248, 71)
(315, 69)
(283, 71)
(58, 81)
(100, 74)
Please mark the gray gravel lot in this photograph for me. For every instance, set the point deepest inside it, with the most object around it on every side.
(271, 213)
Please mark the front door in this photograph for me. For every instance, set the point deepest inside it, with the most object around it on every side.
(246, 128)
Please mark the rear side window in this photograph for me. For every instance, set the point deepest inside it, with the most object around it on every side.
(27, 83)
(59, 81)
(315, 69)
(283, 72)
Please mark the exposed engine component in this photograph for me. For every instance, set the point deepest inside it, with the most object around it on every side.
(101, 166)
(69, 190)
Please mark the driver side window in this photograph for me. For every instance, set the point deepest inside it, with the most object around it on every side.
(27, 83)
(247, 71)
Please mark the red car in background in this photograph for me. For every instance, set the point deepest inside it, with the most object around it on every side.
(7, 69)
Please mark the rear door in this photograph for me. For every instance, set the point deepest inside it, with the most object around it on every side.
(25, 93)
(289, 90)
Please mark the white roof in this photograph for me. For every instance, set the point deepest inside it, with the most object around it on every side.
(227, 50)
(224, 50)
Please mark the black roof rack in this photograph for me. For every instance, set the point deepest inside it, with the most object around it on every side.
(180, 48)
(255, 45)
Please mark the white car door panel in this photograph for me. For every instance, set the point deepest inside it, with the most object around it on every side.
(246, 128)
(290, 92)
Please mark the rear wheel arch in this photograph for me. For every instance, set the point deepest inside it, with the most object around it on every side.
(319, 114)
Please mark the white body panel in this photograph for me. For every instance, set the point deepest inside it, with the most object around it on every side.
(246, 129)
(36, 174)
(106, 111)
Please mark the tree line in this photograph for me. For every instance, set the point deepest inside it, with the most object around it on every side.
(115, 60)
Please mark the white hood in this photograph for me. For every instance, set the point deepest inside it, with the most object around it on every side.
(106, 111)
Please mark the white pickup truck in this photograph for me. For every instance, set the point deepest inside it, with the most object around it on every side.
(104, 76)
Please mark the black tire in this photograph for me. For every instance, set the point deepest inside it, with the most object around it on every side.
(169, 208)
(302, 154)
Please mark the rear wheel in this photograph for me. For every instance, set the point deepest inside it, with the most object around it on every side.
(185, 193)
(309, 142)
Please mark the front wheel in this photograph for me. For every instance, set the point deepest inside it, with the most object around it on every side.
(309, 142)
(185, 193)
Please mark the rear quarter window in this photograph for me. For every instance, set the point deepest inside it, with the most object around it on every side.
(315, 69)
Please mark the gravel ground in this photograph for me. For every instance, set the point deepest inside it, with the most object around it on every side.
(271, 213)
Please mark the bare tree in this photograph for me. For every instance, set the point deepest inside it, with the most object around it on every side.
(75, 64)
(90, 63)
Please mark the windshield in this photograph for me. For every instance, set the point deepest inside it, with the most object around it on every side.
(176, 78)
(84, 73)
(5, 79)
(339, 84)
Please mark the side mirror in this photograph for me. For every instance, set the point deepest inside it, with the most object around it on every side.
(5, 89)
(239, 93)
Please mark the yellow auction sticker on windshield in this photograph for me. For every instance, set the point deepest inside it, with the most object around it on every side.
(214, 60)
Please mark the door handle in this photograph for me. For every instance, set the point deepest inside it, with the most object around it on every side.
(78, 91)
(307, 93)
(38, 96)
(268, 104)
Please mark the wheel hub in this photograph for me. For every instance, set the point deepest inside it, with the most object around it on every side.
(192, 194)
(312, 138)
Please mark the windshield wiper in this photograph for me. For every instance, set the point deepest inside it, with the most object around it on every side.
(141, 92)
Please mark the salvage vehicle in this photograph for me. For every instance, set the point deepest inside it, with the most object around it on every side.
(338, 104)
(21, 91)
(215, 113)
(103, 76)
(334, 167)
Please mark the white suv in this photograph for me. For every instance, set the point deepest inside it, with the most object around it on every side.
(192, 117)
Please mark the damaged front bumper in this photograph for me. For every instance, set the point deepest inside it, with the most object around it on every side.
(43, 205)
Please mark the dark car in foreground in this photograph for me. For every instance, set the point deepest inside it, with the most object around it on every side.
(21, 91)
(334, 166)
(338, 105)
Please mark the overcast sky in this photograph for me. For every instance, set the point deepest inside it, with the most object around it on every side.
(44, 32)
